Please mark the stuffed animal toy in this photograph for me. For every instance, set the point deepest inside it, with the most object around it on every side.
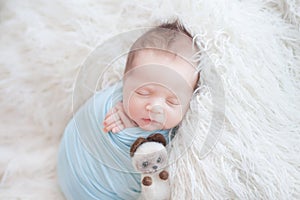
(149, 157)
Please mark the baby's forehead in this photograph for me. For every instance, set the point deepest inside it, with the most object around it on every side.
(151, 55)
(168, 61)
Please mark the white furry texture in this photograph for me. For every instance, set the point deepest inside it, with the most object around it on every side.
(254, 44)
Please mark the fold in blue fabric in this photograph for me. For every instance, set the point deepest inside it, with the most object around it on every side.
(97, 165)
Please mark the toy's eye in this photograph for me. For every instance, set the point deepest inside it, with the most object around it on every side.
(158, 160)
(145, 164)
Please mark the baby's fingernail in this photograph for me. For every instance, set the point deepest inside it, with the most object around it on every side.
(113, 130)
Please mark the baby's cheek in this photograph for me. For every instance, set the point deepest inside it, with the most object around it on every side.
(174, 117)
(171, 121)
(125, 103)
(185, 108)
(135, 107)
(131, 111)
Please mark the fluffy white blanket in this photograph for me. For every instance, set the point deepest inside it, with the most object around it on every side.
(254, 45)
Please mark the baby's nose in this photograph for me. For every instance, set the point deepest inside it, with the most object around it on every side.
(154, 109)
(156, 112)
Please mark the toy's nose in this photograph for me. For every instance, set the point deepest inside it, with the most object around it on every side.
(154, 167)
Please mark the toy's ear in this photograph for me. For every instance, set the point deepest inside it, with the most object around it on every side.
(136, 144)
(157, 137)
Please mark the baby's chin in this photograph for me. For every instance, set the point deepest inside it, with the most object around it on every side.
(153, 126)
(150, 128)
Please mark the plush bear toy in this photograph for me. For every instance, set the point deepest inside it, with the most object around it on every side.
(149, 156)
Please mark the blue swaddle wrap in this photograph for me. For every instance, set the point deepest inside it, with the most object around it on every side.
(97, 165)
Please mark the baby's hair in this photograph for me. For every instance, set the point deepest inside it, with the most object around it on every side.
(170, 37)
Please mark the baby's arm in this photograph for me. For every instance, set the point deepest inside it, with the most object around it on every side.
(116, 119)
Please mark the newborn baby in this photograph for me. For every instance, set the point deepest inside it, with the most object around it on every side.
(153, 97)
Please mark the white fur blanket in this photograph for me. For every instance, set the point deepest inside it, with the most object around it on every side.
(255, 46)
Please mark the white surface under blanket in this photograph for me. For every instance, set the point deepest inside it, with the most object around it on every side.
(255, 48)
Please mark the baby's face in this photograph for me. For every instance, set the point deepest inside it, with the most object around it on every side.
(157, 89)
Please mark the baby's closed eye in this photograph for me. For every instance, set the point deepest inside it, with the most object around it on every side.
(173, 101)
(143, 92)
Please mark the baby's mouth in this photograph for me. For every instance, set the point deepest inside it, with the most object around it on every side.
(148, 121)
(151, 124)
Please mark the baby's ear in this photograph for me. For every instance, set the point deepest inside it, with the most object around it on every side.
(136, 145)
(157, 137)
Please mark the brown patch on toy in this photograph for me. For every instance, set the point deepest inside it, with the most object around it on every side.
(157, 138)
(136, 144)
(164, 175)
(147, 181)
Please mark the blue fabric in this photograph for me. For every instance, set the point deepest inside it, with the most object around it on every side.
(97, 165)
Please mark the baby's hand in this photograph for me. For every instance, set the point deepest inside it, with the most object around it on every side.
(116, 119)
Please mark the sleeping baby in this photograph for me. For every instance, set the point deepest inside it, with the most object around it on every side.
(159, 80)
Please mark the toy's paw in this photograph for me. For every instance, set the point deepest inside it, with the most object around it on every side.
(164, 175)
(147, 181)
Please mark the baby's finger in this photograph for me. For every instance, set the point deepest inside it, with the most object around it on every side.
(118, 128)
(111, 119)
(124, 118)
(112, 126)
(110, 113)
